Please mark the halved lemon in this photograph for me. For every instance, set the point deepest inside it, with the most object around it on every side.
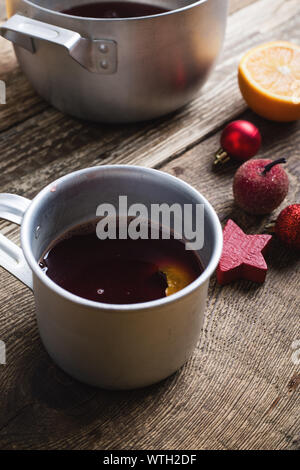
(269, 80)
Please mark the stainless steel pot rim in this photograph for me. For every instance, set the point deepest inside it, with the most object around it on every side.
(26, 235)
(58, 13)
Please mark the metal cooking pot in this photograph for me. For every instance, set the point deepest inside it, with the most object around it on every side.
(116, 70)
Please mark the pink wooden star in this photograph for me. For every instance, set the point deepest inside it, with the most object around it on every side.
(242, 256)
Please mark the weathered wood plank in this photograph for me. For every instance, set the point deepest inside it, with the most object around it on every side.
(195, 165)
(52, 144)
(235, 392)
(262, 322)
(240, 388)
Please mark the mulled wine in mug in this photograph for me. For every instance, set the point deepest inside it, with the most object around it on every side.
(119, 305)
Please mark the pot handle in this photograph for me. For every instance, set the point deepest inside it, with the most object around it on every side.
(97, 56)
(13, 208)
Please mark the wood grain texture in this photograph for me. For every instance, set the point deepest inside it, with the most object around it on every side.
(53, 143)
(240, 390)
(253, 319)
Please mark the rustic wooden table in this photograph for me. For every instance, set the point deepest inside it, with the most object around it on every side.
(239, 390)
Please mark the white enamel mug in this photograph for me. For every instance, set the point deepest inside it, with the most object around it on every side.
(107, 345)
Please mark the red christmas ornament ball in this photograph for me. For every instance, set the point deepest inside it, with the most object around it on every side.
(241, 140)
(287, 226)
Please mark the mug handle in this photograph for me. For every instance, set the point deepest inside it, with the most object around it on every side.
(97, 55)
(13, 208)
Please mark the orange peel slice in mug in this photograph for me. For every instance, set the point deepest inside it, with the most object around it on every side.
(177, 278)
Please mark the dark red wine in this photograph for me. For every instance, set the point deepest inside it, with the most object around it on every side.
(119, 271)
(114, 10)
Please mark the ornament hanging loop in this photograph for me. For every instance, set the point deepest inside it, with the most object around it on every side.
(221, 157)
